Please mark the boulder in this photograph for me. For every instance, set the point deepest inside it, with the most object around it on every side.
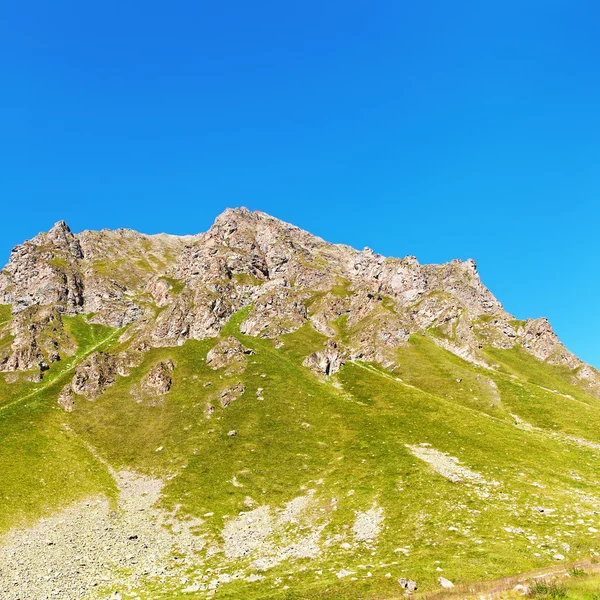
(229, 354)
(66, 399)
(231, 393)
(158, 380)
(407, 584)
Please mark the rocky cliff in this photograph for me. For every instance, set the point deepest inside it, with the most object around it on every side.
(168, 289)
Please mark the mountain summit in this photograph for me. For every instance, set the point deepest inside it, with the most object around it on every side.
(368, 303)
(254, 412)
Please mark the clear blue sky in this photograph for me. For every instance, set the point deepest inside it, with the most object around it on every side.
(435, 128)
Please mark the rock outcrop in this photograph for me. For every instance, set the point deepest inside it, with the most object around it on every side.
(66, 399)
(231, 393)
(39, 339)
(158, 380)
(327, 361)
(94, 375)
(229, 354)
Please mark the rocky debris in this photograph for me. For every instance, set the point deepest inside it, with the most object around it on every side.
(66, 399)
(306, 546)
(89, 547)
(445, 583)
(327, 361)
(271, 540)
(343, 573)
(158, 380)
(231, 393)
(243, 534)
(408, 584)
(229, 354)
(294, 509)
(447, 466)
(95, 374)
(368, 524)
(232, 433)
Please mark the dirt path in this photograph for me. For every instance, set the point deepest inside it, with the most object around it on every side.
(494, 587)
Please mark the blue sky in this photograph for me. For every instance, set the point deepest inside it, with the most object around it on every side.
(439, 129)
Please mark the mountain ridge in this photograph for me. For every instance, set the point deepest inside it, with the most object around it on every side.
(118, 274)
(257, 413)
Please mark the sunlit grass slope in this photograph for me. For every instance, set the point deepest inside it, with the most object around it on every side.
(349, 441)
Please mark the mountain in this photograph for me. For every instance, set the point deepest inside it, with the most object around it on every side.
(254, 412)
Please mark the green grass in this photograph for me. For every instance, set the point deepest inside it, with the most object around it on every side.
(177, 286)
(59, 262)
(345, 438)
(582, 587)
(547, 589)
(246, 279)
(342, 289)
(5, 314)
(44, 466)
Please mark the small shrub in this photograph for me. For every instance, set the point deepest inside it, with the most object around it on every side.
(547, 589)
(575, 572)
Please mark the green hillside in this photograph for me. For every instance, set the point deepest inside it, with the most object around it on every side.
(332, 487)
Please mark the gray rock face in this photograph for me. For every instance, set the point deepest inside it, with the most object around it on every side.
(276, 311)
(285, 277)
(43, 271)
(540, 340)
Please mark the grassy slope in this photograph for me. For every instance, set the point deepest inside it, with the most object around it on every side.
(43, 465)
(353, 450)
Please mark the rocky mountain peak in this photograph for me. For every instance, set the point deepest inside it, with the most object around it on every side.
(363, 302)
(60, 228)
(62, 238)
